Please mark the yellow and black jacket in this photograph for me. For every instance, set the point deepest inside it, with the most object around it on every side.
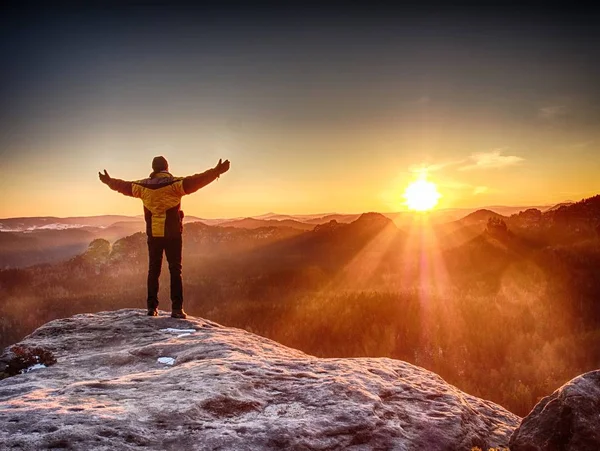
(161, 194)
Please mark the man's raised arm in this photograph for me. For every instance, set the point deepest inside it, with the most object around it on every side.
(115, 184)
(193, 183)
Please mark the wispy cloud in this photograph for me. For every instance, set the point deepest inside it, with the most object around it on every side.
(425, 168)
(581, 144)
(552, 111)
(492, 159)
(465, 187)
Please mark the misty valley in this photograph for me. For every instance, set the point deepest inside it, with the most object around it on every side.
(502, 305)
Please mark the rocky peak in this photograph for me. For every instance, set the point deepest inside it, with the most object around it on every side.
(584, 210)
(130, 249)
(531, 214)
(373, 220)
(124, 380)
(97, 252)
(328, 227)
(480, 216)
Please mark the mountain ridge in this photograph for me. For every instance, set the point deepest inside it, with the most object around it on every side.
(41, 243)
(315, 218)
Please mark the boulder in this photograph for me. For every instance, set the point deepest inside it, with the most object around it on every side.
(567, 420)
(124, 380)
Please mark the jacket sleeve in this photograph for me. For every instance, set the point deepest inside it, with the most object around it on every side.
(122, 187)
(193, 183)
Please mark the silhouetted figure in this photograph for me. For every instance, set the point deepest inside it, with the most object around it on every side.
(161, 194)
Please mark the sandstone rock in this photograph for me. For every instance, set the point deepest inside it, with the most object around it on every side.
(567, 420)
(227, 389)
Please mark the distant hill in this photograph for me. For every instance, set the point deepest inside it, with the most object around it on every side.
(37, 242)
(77, 222)
(274, 247)
(484, 253)
(103, 221)
(505, 210)
(28, 241)
(584, 210)
(31, 241)
(480, 217)
(18, 249)
(280, 217)
(333, 217)
(564, 223)
(557, 206)
(188, 219)
(251, 223)
(54, 223)
(458, 232)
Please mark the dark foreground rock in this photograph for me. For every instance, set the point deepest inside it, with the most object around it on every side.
(124, 381)
(567, 420)
(19, 359)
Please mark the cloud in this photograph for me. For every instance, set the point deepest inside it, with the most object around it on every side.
(492, 159)
(581, 144)
(461, 186)
(454, 185)
(425, 169)
(552, 112)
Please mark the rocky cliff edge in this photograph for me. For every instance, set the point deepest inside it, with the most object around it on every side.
(120, 380)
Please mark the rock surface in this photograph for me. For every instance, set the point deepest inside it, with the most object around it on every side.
(124, 381)
(567, 420)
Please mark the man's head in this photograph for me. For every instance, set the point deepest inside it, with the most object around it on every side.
(160, 164)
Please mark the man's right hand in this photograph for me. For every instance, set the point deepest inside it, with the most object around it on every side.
(104, 178)
(222, 166)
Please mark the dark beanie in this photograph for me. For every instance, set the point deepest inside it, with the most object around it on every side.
(160, 164)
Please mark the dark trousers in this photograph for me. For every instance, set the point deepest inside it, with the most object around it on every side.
(172, 249)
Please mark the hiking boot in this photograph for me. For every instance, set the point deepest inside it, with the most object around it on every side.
(152, 312)
(178, 314)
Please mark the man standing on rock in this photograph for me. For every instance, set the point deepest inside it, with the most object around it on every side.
(161, 194)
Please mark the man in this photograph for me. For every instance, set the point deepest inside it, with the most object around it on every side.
(161, 194)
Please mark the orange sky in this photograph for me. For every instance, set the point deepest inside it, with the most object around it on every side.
(328, 115)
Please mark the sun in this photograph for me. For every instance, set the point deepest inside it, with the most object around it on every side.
(421, 195)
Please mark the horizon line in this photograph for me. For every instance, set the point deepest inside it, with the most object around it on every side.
(485, 207)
